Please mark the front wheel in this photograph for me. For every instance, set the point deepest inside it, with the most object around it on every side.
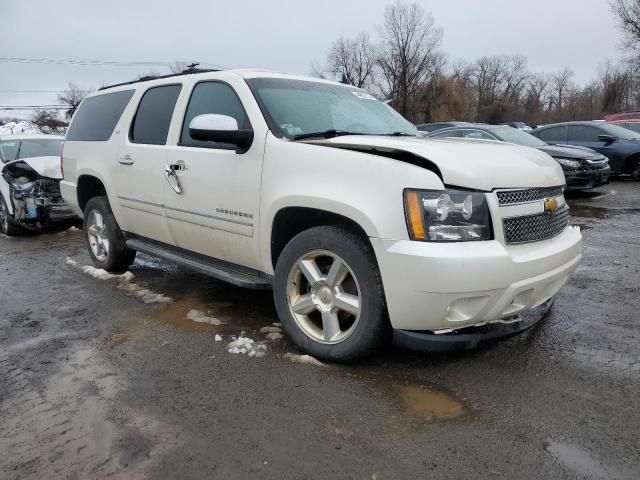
(328, 294)
(107, 245)
(6, 225)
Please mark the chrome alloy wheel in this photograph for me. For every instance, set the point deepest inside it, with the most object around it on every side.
(324, 297)
(98, 236)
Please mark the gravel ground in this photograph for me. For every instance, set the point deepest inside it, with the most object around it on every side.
(95, 383)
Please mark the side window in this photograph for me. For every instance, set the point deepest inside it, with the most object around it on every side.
(554, 134)
(97, 117)
(446, 134)
(151, 122)
(9, 150)
(478, 134)
(583, 133)
(213, 97)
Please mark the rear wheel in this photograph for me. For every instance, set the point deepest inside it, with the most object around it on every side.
(6, 225)
(107, 245)
(328, 294)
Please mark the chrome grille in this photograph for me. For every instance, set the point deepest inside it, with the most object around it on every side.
(514, 197)
(533, 228)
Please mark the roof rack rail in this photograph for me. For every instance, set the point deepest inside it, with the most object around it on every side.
(190, 70)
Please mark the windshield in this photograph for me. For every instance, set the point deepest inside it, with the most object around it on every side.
(28, 148)
(299, 107)
(634, 127)
(619, 132)
(513, 135)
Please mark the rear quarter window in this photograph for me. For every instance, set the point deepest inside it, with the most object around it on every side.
(98, 116)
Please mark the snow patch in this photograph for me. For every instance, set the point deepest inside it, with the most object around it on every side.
(217, 338)
(125, 282)
(14, 128)
(247, 346)
(274, 336)
(304, 359)
(270, 330)
(200, 317)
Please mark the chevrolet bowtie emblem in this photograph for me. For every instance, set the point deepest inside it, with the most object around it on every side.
(550, 205)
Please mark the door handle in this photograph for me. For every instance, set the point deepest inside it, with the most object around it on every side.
(172, 178)
(126, 160)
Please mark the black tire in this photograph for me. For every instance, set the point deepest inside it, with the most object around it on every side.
(372, 330)
(635, 170)
(118, 257)
(6, 225)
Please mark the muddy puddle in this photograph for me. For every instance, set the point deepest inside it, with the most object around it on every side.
(189, 315)
(414, 399)
(425, 402)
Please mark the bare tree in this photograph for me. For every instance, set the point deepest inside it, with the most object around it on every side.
(352, 61)
(48, 121)
(561, 82)
(72, 98)
(627, 13)
(409, 53)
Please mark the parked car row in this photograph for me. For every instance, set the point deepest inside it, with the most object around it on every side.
(583, 168)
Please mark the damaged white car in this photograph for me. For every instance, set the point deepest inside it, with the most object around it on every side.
(30, 175)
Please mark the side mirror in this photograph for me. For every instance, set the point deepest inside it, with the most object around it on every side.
(222, 129)
(607, 138)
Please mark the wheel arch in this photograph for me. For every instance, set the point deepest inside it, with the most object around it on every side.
(630, 162)
(288, 221)
(89, 186)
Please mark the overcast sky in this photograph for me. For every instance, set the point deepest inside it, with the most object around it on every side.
(283, 35)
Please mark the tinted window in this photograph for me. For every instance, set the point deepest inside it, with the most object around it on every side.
(97, 117)
(553, 134)
(618, 132)
(152, 120)
(584, 133)
(477, 134)
(213, 97)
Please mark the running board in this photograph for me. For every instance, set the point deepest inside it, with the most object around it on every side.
(229, 272)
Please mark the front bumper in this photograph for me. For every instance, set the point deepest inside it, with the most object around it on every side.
(587, 178)
(445, 287)
(470, 337)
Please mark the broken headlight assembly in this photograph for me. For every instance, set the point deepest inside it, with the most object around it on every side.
(447, 215)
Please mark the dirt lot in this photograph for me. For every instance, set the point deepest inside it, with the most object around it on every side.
(94, 382)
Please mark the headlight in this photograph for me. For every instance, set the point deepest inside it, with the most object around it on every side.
(565, 162)
(447, 216)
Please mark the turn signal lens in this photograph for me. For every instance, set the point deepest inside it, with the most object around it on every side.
(416, 218)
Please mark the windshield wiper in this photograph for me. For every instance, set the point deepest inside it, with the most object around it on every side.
(326, 134)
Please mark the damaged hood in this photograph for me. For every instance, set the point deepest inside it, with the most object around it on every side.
(49, 167)
(476, 164)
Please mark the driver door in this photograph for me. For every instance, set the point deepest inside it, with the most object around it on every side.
(214, 210)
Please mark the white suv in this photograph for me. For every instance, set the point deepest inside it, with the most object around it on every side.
(326, 195)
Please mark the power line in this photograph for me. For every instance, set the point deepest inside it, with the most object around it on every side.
(58, 61)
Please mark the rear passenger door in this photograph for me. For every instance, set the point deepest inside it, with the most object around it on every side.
(141, 162)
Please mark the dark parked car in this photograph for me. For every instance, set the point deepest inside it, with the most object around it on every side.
(583, 168)
(432, 127)
(619, 145)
